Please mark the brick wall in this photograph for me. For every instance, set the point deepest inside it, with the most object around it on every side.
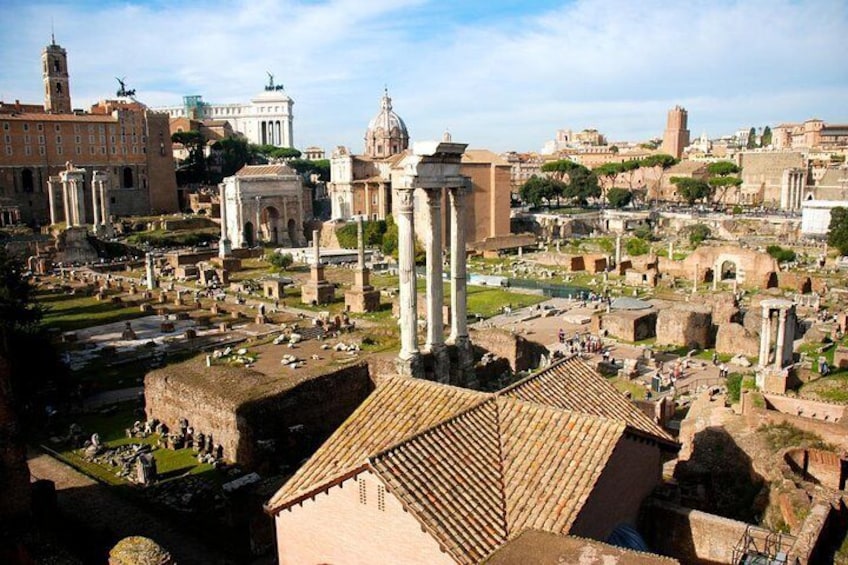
(336, 527)
(690, 535)
(830, 431)
(628, 478)
(319, 404)
(521, 353)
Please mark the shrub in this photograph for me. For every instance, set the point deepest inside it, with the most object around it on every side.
(698, 233)
(619, 197)
(636, 247)
(280, 261)
(782, 255)
(644, 232)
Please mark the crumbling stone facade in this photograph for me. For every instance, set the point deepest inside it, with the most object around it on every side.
(630, 325)
(735, 339)
(244, 409)
(687, 325)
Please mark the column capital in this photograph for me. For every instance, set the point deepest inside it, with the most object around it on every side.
(406, 199)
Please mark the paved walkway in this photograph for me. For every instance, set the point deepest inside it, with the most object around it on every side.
(87, 502)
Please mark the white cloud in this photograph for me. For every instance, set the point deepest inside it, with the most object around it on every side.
(504, 83)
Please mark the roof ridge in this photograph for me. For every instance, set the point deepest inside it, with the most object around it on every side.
(534, 376)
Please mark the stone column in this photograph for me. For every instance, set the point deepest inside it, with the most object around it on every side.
(80, 207)
(223, 245)
(459, 306)
(104, 199)
(409, 361)
(66, 201)
(781, 339)
(150, 275)
(316, 247)
(716, 275)
(695, 278)
(95, 201)
(360, 246)
(435, 290)
(671, 250)
(617, 250)
(765, 337)
(51, 195)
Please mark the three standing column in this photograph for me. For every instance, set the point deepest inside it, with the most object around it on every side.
(459, 312)
(435, 291)
(409, 358)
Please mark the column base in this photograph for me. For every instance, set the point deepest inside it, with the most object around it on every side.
(441, 363)
(362, 299)
(224, 248)
(411, 366)
(464, 374)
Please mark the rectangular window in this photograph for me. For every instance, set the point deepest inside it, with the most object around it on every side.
(41, 150)
(92, 150)
(78, 139)
(27, 150)
(7, 138)
(8, 150)
(78, 150)
(91, 139)
(124, 150)
(26, 127)
(102, 129)
(58, 150)
(40, 127)
(363, 493)
(27, 139)
(58, 139)
(112, 139)
(114, 150)
(58, 128)
(76, 129)
(90, 128)
(5, 126)
(102, 150)
(41, 139)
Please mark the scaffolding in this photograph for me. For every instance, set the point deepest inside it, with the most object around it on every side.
(760, 546)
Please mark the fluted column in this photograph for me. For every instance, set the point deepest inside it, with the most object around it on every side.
(409, 358)
(435, 289)
(103, 194)
(781, 339)
(459, 296)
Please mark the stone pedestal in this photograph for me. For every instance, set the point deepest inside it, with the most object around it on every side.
(317, 290)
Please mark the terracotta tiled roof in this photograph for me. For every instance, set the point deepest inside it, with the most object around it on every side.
(257, 170)
(396, 410)
(450, 477)
(574, 385)
(477, 469)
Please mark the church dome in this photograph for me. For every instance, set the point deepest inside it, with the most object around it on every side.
(386, 134)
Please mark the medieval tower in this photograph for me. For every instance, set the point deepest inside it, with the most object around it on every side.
(676, 136)
(54, 68)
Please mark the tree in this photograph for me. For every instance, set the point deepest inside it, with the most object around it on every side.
(536, 189)
(698, 233)
(582, 184)
(837, 231)
(610, 172)
(559, 169)
(752, 139)
(234, 153)
(305, 167)
(720, 179)
(280, 261)
(619, 197)
(193, 167)
(781, 254)
(765, 139)
(691, 189)
(664, 162)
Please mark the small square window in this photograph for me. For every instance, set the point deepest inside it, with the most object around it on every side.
(26, 127)
(40, 127)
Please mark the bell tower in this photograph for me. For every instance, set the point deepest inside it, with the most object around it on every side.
(54, 69)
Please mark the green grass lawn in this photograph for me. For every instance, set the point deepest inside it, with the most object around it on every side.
(110, 426)
(67, 313)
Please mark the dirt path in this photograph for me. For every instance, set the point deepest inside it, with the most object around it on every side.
(88, 503)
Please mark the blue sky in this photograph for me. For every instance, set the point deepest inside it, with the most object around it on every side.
(499, 74)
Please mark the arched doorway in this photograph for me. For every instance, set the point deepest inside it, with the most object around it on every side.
(248, 234)
(27, 180)
(728, 271)
(127, 178)
(270, 224)
(291, 228)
